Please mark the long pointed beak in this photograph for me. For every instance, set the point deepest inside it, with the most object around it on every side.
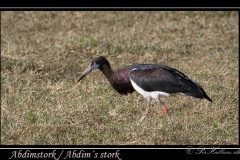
(87, 71)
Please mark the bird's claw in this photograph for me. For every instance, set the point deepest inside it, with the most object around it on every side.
(169, 118)
(140, 121)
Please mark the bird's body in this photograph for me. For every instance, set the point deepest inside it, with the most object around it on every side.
(165, 80)
(150, 80)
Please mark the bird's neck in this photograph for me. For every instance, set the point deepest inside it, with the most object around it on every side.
(119, 79)
(107, 71)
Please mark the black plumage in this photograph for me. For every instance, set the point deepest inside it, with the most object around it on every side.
(152, 77)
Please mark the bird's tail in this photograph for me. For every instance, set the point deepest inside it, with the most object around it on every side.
(195, 90)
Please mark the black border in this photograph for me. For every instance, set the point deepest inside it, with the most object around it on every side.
(127, 152)
(20, 4)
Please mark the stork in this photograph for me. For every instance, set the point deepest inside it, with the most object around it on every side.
(152, 81)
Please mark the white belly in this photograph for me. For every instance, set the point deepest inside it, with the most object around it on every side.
(154, 94)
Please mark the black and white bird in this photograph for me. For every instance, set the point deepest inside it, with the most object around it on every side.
(153, 81)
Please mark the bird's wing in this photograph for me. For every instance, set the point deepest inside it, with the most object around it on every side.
(158, 78)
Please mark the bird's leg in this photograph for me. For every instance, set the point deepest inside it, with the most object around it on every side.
(165, 111)
(147, 109)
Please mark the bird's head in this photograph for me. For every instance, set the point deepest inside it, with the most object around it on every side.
(96, 63)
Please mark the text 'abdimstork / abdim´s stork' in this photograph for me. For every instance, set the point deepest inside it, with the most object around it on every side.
(153, 81)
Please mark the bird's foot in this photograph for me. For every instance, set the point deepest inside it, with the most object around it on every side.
(165, 111)
(169, 118)
(144, 116)
(140, 121)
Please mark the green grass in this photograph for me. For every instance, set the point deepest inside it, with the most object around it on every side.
(43, 53)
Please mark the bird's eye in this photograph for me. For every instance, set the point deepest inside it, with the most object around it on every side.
(93, 63)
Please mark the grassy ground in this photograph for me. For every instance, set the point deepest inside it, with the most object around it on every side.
(43, 53)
